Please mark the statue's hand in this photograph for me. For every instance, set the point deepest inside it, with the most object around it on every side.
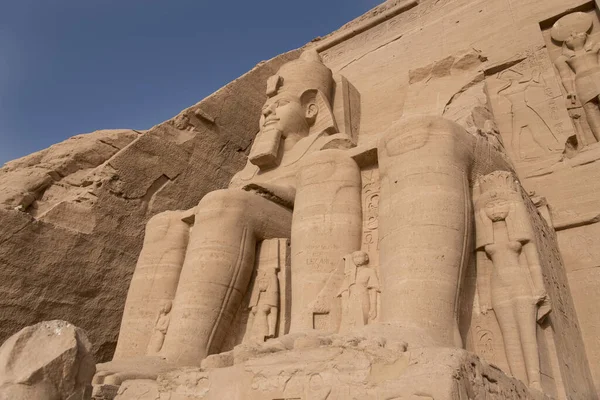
(544, 308)
(372, 314)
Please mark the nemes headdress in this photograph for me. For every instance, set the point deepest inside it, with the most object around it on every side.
(305, 73)
(309, 80)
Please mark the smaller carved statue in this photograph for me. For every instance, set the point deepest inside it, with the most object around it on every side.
(264, 304)
(514, 287)
(359, 291)
(579, 56)
(160, 328)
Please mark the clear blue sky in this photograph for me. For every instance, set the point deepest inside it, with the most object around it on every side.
(75, 66)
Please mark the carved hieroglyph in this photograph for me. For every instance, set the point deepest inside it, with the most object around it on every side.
(514, 288)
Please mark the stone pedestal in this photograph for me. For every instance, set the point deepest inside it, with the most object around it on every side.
(334, 367)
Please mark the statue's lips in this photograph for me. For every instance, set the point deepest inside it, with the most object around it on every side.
(270, 121)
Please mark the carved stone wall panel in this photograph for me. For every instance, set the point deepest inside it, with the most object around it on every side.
(563, 318)
(370, 206)
(528, 106)
(378, 61)
(580, 249)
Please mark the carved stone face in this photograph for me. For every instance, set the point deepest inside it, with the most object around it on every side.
(286, 114)
(576, 41)
(497, 209)
(360, 258)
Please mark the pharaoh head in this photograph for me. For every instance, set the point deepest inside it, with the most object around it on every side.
(360, 258)
(497, 208)
(571, 30)
(497, 189)
(499, 199)
(298, 104)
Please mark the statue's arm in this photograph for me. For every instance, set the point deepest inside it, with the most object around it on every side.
(373, 293)
(564, 71)
(280, 194)
(535, 269)
(484, 272)
(274, 282)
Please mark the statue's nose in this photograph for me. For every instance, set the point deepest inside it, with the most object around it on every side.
(268, 110)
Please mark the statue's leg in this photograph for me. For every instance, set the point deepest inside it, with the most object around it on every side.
(263, 323)
(250, 328)
(592, 113)
(511, 337)
(217, 269)
(525, 312)
(273, 314)
(327, 225)
(515, 142)
(424, 221)
(154, 281)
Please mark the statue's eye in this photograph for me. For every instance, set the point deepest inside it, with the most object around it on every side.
(280, 103)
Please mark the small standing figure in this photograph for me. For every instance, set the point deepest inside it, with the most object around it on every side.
(524, 116)
(264, 304)
(579, 55)
(161, 325)
(359, 291)
(514, 287)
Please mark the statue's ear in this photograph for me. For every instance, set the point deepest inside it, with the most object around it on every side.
(309, 103)
(318, 112)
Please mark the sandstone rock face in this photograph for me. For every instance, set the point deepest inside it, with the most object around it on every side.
(47, 361)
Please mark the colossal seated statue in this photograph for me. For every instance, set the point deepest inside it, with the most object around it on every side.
(205, 271)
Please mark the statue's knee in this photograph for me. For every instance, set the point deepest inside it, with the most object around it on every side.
(231, 203)
(265, 309)
(224, 198)
(164, 218)
(432, 135)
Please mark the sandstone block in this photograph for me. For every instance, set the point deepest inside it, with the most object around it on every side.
(47, 361)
